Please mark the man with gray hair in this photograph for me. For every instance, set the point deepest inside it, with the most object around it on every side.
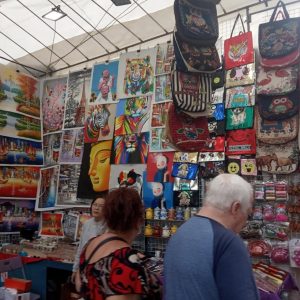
(206, 259)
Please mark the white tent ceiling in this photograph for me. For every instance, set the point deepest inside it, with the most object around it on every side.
(93, 29)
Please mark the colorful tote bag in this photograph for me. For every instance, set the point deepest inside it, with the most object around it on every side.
(240, 142)
(281, 62)
(239, 118)
(276, 131)
(279, 38)
(185, 165)
(241, 75)
(277, 159)
(276, 81)
(204, 59)
(238, 50)
(240, 96)
(191, 91)
(248, 166)
(196, 21)
(278, 107)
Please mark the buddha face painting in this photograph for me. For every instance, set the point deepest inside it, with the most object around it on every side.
(99, 170)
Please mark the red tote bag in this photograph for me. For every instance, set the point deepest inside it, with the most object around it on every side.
(238, 50)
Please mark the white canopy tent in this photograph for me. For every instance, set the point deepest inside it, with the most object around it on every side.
(93, 30)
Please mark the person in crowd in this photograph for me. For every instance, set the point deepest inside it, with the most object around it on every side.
(91, 228)
(109, 267)
(206, 259)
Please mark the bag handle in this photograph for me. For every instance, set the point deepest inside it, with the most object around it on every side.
(275, 13)
(238, 17)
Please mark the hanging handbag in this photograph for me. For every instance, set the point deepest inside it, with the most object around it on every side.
(239, 118)
(276, 81)
(278, 107)
(191, 91)
(242, 75)
(240, 142)
(240, 96)
(238, 50)
(196, 21)
(279, 38)
(193, 58)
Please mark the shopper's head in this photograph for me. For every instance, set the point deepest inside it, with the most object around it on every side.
(231, 194)
(123, 210)
(97, 205)
(100, 165)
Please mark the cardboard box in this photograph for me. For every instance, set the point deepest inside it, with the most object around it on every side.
(21, 285)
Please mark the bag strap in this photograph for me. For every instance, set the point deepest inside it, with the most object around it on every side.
(112, 238)
(275, 13)
(238, 17)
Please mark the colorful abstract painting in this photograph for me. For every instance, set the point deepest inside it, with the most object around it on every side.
(77, 96)
(18, 152)
(51, 224)
(132, 115)
(130, 148)
(159, 142)
(53, 103)
(52, 148)
(19, 182)
(99, 124)
(163, 90)
(72, 146)
(67, 187)
(104, 83)
(164, 58)
(95, 169)
(136, 73)
(47, 191)
(19, 92)
(19, 126)
(159, 167)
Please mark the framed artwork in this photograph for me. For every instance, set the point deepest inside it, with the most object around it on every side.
(19, 182)
(72, 146)
(51, 224)
(70, 225)
(130, 148)
(163, 90)
(132, 115)
(104, 83)
(47, 190)
(159, 142)
(19, 92)
(164, 58)
(159, 167)
(52, 148)
(159, 113)
(19, 126)
(82, 219)
(53, 103)
(95, 169)
(136, 73)
(99, 124)
(76, 100)
(15, 151)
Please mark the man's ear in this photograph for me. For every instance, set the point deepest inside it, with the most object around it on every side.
(235, 207)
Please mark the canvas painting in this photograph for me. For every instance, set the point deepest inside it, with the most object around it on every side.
(77, 95)
(15, 151)
(159, 113)
(51, 224)
(159, 167)
(136, 73)
(19, 182)
(82, 219)
(159, 142)
(47, 191)
(67, 187)
(19, 126)
(99, 124)
(163, 90)
(95, 169)
(53, 103)
(52, 148)
(70, 225)
(19, 92)
(132, 115)
(164, 58)
(72, 146)
(130, 148)
(127, 176)
(104, 83)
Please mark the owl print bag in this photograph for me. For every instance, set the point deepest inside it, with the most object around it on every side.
(239, 118)
(238, 50)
